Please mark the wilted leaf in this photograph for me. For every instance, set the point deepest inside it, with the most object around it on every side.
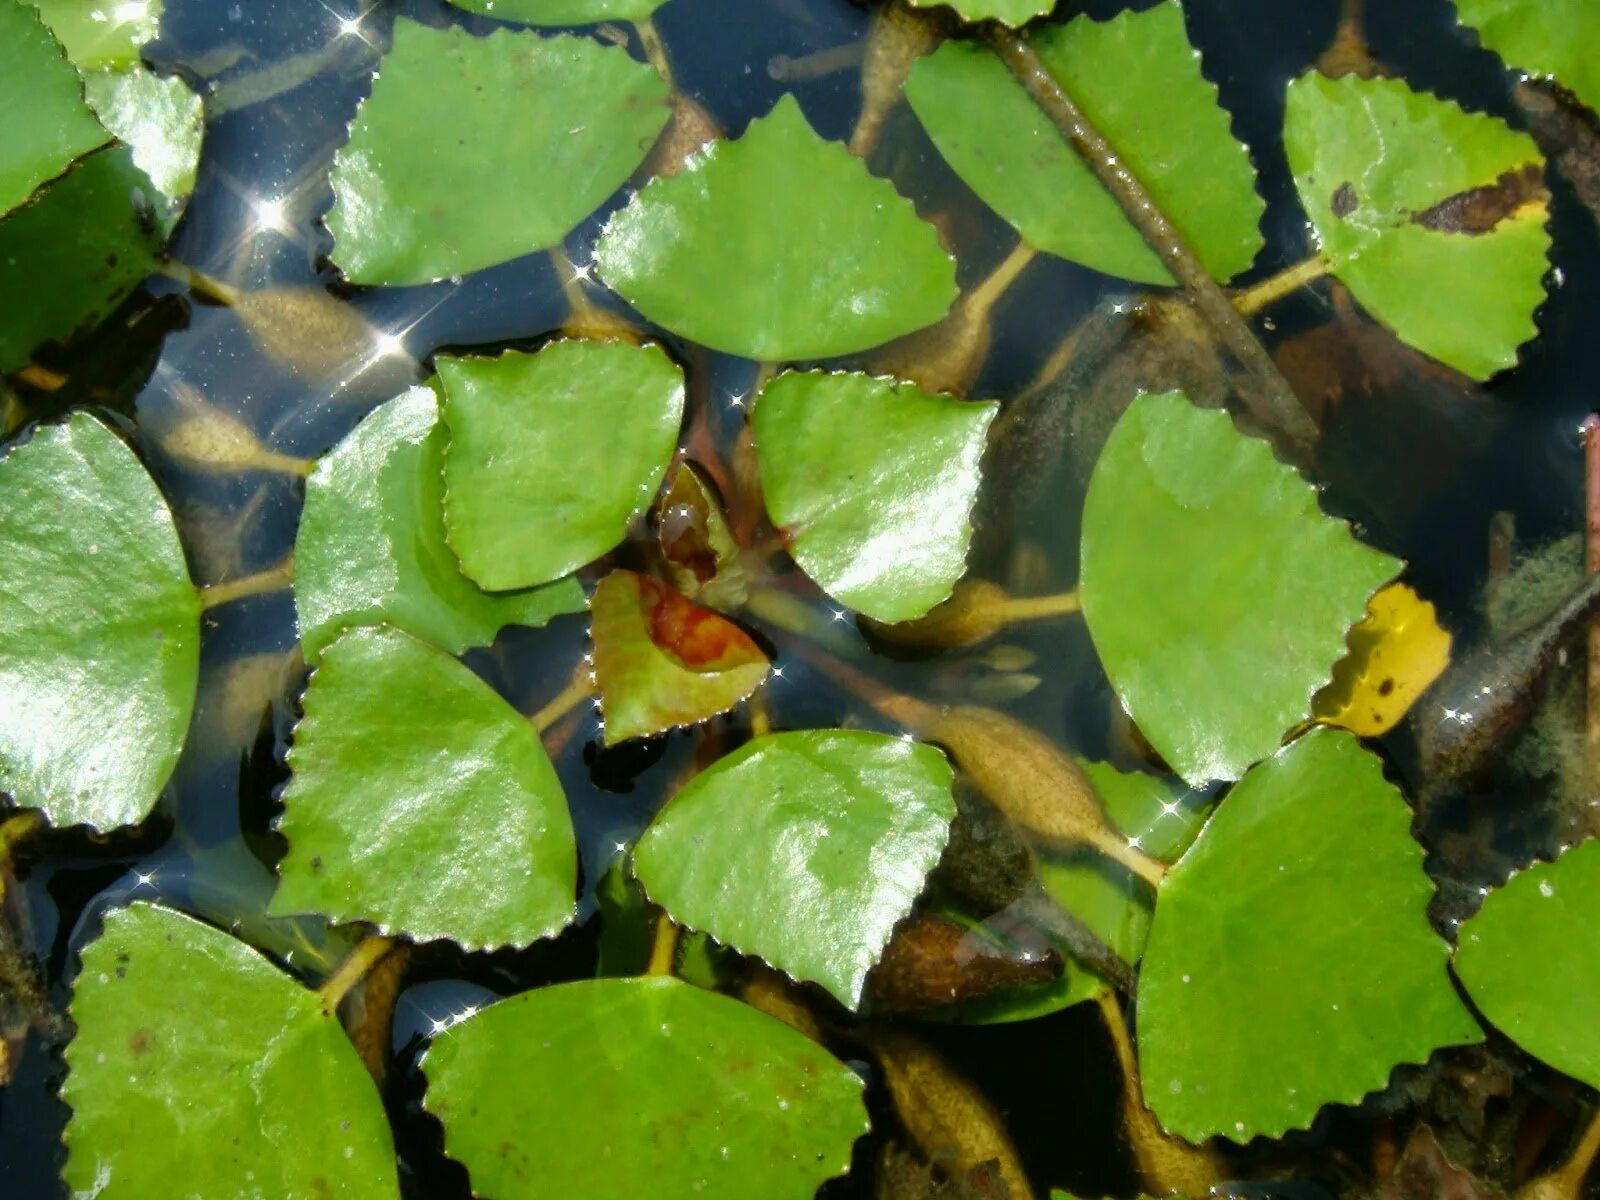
(1554, 39)
(48, 126)
(1396, 652)
(562, 12)
(696, 542)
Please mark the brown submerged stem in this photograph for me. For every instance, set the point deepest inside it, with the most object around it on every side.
(1251, 300)
(273, 579)
(579, 688)
(1566, 1181)
(1276, 408)
(367, 954)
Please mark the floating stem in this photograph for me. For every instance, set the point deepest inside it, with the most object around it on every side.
(1251, 300)
(353, 970)
(273, 579)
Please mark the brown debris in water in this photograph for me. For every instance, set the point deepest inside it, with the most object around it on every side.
(932, 961)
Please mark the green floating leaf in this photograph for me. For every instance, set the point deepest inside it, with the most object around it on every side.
(552, 455)
(161, 121)
(48, 126)
(473, 151)
(1555, 39)
(99, 629)
(779, 245)
(562, 12)
(85, 236)
(422, 802)
(661, 661)
(197, 1059)
(840, 826)
(1432, 217)
(1218, 594)
(371, 546)
(646, 1087)
(874, 483)
(1291, 963)
(99, 34)
(1531, 963)
(1007, 12)
(1138, 80)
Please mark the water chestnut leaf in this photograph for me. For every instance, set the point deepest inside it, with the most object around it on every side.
(646, 1087)
(698, 547)
(1433, 217)
(1531, 964)
(777, 246)
(552, 455)
(422, 802)
(1396, 652)
(99, 629)
(805, 848)
(197, 1059)
(662, 661)
(1138, 80)
(99, 34)
(1218, 594)
(873, 481)
(161, 121)
(562, 12)
(1290, 962)
(1007, 12)
(371, 546)
(472, 151)
(1553, 39)
(50, 126)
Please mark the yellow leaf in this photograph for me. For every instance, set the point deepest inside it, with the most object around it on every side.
(1396, 652)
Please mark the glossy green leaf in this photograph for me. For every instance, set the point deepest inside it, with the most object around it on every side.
(102, 33)
(874, 483)
(472, 151)
(198, 1060)
(1291, 963)
(562, 12)
(161, 121)
(48, 126)
(422, 802)
(371, 546)
(1218, 594)
(1007, 12)
(805, 848)
(1433, 217)
(1554, 39)
(1138, 80)
(99, 629)
(85, 235)
(1531, 963)
(661, 661)
(552, 455)
(645, 1087)
(779, 245)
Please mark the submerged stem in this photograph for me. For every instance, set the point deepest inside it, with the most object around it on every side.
(655, 50)
(367, 954)
(1591, 727)
(273, 579)
(579, 688)
(1039, 608)
(1251, 300)
(663, 945)
(1566, 1181)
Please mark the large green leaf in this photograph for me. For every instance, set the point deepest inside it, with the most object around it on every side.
(1291, 963)
(1555, 39)
(1531, 962)
(779, 245)
(874, 482)
(1218, 594)
(102, 33)
(1433, 217)
(838, 829)
(48, 126)
(660, 661)
(1007, 12)
(422, 802)
(472, 151)
(562, 12)
(552, 455)
(198, 1060)
(371, 546)
(1138, 80)
(161, 121)
(644, 1087)
(99, 629)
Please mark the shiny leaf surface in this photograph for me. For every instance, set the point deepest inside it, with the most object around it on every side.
(48, 125)
(874, 483)
(161, 121)
(102, 33)
(422, 802)
(562, 12)
(1554, 39)
(805, 848)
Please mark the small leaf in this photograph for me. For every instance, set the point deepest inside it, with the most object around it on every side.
(874, 482)
(197, 1059)
(48, 126)
(161, 121)
(1396, 653)
(1218, 594)
(646, 1087)
(472, 151)
(1007, 12)
(1530, 961)
(422, 802)
(1138, 80)
(562, 12)
(99, 629)
(371, 546)
(661, 661)
(840, 826)
(778, 246)
(1432, 217)
(1553, 39)
(696, 543)
(99, 34)
(552, 455)
(1291, 963)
